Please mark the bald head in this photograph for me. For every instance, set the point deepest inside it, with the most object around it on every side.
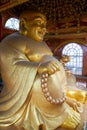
(33, 25)
(31, 15)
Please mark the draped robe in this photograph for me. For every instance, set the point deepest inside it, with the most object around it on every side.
(21, 87)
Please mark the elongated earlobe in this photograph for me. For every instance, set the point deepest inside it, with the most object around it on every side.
(23, 29)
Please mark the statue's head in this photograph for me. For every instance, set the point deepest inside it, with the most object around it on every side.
(33, 25)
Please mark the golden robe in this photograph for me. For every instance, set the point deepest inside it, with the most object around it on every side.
(22, 102)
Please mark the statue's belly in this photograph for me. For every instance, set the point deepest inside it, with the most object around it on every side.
(40, 100)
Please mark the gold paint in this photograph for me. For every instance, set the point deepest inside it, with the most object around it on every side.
(23, 58)
(79, 95)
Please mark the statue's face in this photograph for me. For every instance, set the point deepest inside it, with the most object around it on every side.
(36, 28)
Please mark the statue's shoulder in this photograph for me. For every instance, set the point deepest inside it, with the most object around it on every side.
(15, 37)
(14, 41)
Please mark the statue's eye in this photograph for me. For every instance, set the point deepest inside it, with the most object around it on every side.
(39, 25)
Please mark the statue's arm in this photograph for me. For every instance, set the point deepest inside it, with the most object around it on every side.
(43, 66)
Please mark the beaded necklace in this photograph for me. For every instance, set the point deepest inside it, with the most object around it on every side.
(45, 90)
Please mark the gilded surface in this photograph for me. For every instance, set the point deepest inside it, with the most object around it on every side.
(24, 57)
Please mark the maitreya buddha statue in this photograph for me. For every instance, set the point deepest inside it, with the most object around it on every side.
(34, 82)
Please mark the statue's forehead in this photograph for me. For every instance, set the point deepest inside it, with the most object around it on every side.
(32, 16)
(38, 18)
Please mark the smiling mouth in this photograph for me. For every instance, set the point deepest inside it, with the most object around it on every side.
(41, 34)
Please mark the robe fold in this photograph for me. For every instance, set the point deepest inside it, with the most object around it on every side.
(21, 84)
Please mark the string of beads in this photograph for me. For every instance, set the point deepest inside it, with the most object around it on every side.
(45, 90)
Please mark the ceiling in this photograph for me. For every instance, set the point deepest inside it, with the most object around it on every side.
(60, 13)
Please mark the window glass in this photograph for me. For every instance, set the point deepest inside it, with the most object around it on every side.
(76, 57)
(12, 23)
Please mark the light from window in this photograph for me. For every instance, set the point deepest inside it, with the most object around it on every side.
(12, 23)
(76, 57)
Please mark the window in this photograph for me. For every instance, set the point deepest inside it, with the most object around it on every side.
(12, 23)
(76, 57)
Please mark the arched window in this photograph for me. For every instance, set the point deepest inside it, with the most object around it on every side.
(12, 23)
(76, 57)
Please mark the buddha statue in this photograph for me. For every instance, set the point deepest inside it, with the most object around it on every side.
(34, 81)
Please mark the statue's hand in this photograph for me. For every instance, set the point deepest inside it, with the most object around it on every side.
(77, 106)
(50, 67)
(72, 121)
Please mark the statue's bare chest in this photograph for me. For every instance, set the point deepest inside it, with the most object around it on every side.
(37, 51)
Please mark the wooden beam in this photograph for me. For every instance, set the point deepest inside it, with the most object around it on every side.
(67, 36)
(11, 4)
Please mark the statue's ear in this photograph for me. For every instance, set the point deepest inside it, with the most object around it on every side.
(22, 24)
(23, 28)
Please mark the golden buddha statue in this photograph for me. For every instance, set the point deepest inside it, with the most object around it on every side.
(33, 94)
